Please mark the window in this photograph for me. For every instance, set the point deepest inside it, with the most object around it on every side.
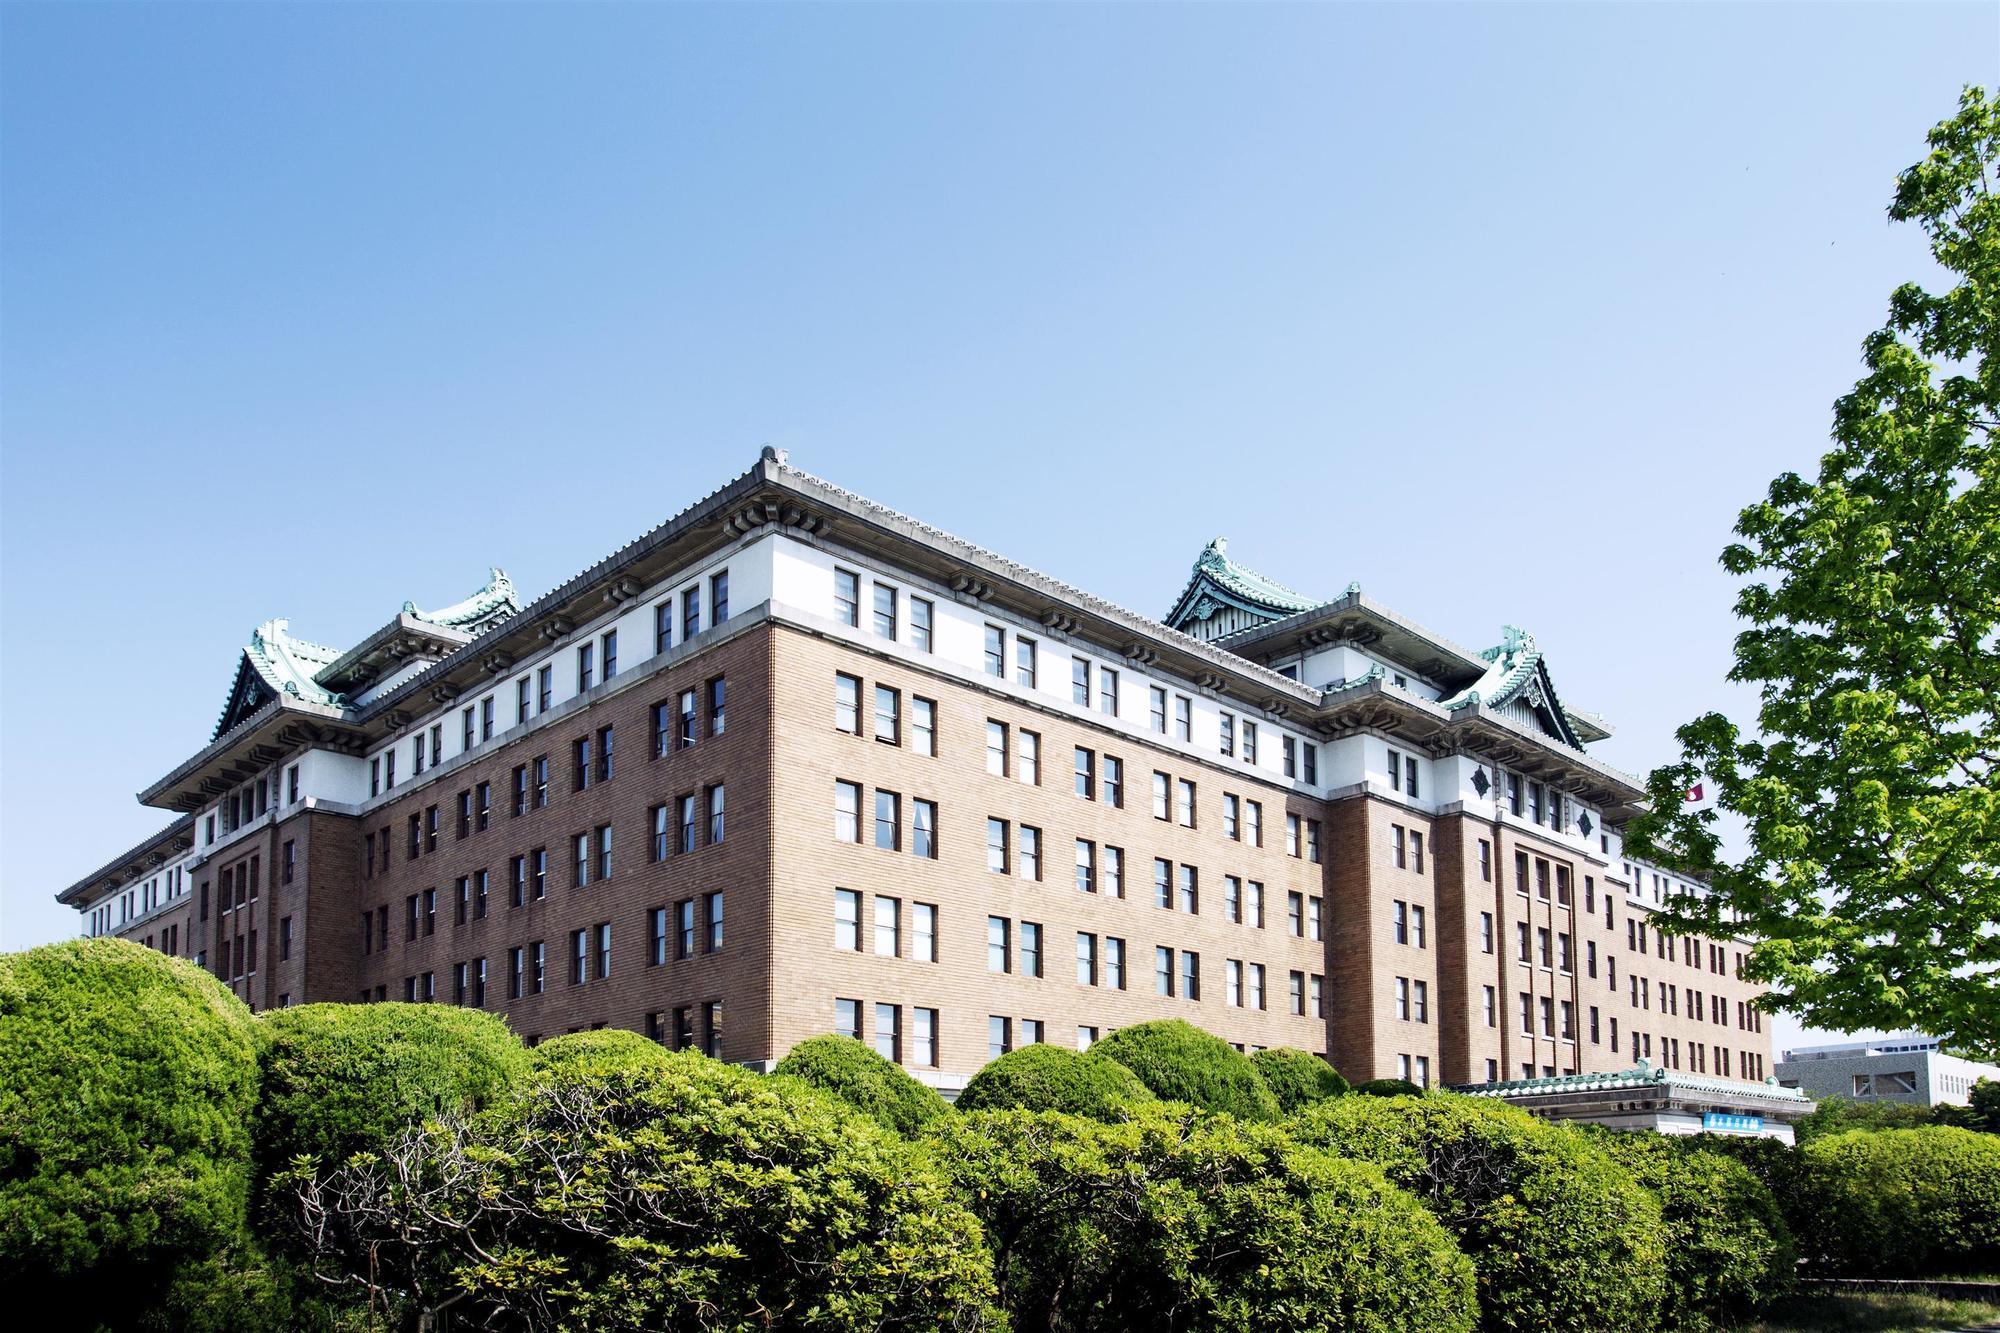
(920, 639)
(996, 651)
(888, 926)
(1403, 999)
(847, 704)
(1163, 971)
(1114, 782)
(1417, 850)
(1312, 763)
(656, 924)
(1232, 817)
(607, 651)
(1190, 890)
(1079, 681)
(711, 1029)
(1183, 718)
(583, 860)
(713, 915)
(847, 920)
(999, 955)
(1107, 691)
(1232, 899)
(1227, 744)
(1416, 924)
(1113, 877)
(1030, 850)
(1293, 825)
(663, 625)
(718, 690)
(690, 727)
(1085, 770)
(718, 597)
(1028, 752)
(1114, 962)
(1190, 975)
(1312, 841)
(888, 821)
(1184, 802)
(1086, 866)
(581, 769)
(1158, 711)
(684, 934)
(1485, 861)
(1291, 759)
(889, 1032)
(888, 715)
(604, 851)
(847, 597)
(1399, 844)
(1253, 823)
(1162, 792)
(1486, 932)
(1024, 662)
(1031, 949)
(996, 748)
(539, 774)
(1492, 1006)
(885, 619)
(996, 846)
(923, 829)
(999, 1036)
(923, 932)
(717, 803)
(545, 694)
(586, 659)
(1086, 959)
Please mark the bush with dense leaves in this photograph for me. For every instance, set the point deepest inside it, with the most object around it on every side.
(1900, 1202)
(127, 1086)
(1053, 1078)
(1563, 1239)
(1174, 1220)
(1179, 1062)
(1729, 1250)
(605, 1051)
(687, 1194)
(1298, 1079)
(346, 1078)
(1388, 1087)
(876, 1087)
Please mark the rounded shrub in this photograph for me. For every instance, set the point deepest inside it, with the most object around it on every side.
(1297, 1078)
(1388, 1087)
(1179, 1062)
(1053, 1078)
(127, 1089)
(347, 1078)
(876, 1087)
(1178, 1221)
(1729, 1251)
(681, 1194)
(606, 1050)
(1562, 1238)
(1900, 1202)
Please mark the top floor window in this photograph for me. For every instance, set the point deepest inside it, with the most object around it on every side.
(586, 666)
(718, 601)
(1024, 661)
(1157, 697)
(920, 624)
(885, 612)
(847, 597)
(996, 651)
(690, 612)
(1107, 691)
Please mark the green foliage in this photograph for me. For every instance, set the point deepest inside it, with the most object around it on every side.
(1174, 1220)
(1729, 1251)
(1869, 795)
(127, 1082)
(1389, 1087)
(1297, 1078)
(1561, 1237)
(1053, 1078)
(1179, 1062)
(1836, 1115)
(605, 1051)
(688, 1195)
(346, 1078)
(1901, 1202)
(876, 1087)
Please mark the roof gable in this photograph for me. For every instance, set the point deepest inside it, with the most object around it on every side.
(1517, 678)
(1222, 597)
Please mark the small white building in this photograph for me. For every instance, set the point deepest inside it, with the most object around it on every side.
(1908, 1069)
(1665, 1101)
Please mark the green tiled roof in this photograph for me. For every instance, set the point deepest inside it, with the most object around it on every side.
(1215, 574)
(1641, 1077)
(496, 596)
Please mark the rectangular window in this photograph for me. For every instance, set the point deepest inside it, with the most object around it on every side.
(996, 651)
(1085, 774)
(923, 726)
(886, 618)
(1086, 959)
(996, 748)
(1190, 890)
(1028, 754)
(923, 1038)
(847, 704)
(888, 821)
(1232, 817)
(1163, 971)
(1024, 662)
(999, 954)
(1030, 852)
(690, 727)
(1183, 718)
(1190, 975)
(923, 829)
(718, 597)
(1162, 795)
(847, 920)
(656, 931)
(718, 701)
(923, 932)
(1031, 949)
(1114, 782)
(920, 639)
(1114, 962)
(888, 926)
(1079, 681)
(717, 812)
(889, 1032)
(996, 846)
(712, 914)
(607, 651)
(999, 1036)
(586, 659)
(1157, 697)
(1107, 691)
(1232, 899)
(888, 715)
(1227, 744)
(1086, 866)
(684, 933)
(1184, 802)
(1113, 877)
(1163, 883)
(663, 625)
(847, 597)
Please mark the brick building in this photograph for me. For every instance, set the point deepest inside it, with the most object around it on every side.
(793, 763)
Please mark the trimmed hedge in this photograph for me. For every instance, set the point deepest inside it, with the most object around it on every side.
(1053, 1078)
(689, 1194)
(1729, 1251)
(1179, 1062)
(1563, 1238)
(1298, 1079)
(1388, 1087)
(1176, 1221)
(347, 1078)
(127, 1090)
(864, 1080)
(606, 1050)
(1900, 1202)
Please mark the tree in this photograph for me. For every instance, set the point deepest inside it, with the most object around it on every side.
(1173, 1221)
(1900, 1202)
(682, 1194)
(1179, 1062)
(1871, 882)
(1053, 1078)
(855, 1073)
(127, 1085)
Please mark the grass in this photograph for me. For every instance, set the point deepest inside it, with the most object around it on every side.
(1872, 1313)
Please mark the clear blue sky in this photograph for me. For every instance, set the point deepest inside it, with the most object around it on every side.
(307, 309)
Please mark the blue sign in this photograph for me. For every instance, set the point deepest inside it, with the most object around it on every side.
(1732, 1124)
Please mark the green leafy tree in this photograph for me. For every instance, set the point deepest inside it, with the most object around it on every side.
(1053, 1078)
(1179, 1062)
(855, 1073)
(1177, 1221)
(1836, 1115)
(127, 1085)
(684, 1194)
(1868, 795)
(1900, 1202)
(1562, 1238)
(1297, 1078)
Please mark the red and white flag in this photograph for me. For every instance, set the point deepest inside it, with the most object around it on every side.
(1695, 793)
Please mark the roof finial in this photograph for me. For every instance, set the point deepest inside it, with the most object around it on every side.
(771, 454)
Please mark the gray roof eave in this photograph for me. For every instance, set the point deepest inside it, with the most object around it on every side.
(126, 861)
(1462, 665)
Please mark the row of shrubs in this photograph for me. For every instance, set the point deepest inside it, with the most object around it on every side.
(168, 1160)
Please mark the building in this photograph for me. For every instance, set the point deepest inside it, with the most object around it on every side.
(792, 763)
(1909, 1069)
(1664, 1101)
